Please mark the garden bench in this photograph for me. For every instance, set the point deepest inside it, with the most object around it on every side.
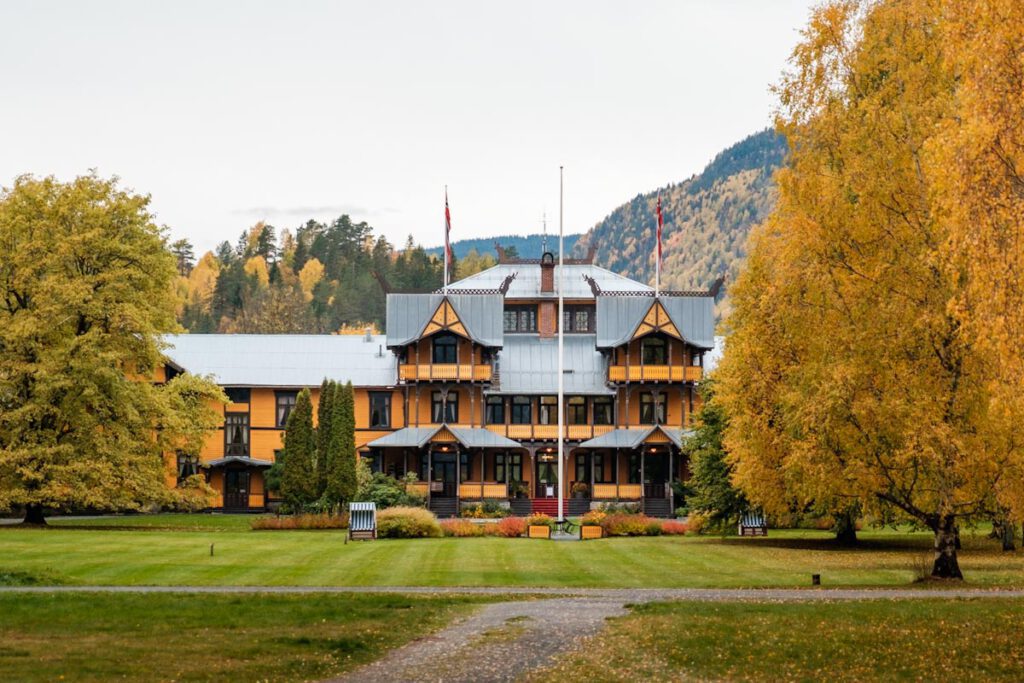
(753, 524)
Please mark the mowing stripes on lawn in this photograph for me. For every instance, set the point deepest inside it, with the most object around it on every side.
(101, 637)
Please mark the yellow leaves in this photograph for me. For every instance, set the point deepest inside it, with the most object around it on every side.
(311, 274)
(202, 281)
(257, 267)
(358, 328)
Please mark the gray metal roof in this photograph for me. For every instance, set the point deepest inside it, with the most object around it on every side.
(526, 284)
(408, 315)
(284, 360)
(619, 316)
(631, 438)
(529, 365)
(416, 437)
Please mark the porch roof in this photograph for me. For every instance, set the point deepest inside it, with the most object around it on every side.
(470, 437)
(220, 462)
(631, 438)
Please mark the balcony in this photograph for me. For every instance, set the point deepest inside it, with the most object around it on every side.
(534, 432)
(655, 373)
(445, 371)
(477, 489)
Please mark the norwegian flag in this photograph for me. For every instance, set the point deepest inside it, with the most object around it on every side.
(661, 222)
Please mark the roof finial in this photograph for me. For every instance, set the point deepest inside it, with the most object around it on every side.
(544, 237)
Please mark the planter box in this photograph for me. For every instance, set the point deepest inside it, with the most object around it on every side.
(538, 531)
(590, 532)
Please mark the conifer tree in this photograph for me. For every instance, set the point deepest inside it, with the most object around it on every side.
(711, 488)
(343, 484)
(325, 421)
(298, 480)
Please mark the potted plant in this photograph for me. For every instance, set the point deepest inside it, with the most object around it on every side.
(580, 490)
(539, 526)
(590, 525)
(518, 489)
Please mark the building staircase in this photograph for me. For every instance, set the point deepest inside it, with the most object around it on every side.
(657, 507)
(444, 507)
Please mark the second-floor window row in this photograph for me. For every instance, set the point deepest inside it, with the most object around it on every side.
(520, 410)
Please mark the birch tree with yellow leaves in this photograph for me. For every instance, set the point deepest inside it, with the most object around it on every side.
(862, 365)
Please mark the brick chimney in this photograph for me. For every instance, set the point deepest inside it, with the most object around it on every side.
(547, 273)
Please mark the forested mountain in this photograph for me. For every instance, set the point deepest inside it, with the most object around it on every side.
(318, 280)
(707, 219)
(523, 246)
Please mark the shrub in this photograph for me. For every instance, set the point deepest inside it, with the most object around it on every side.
(461, 528)
(388, 492)
(682, 511)
(673, 528)
(489, 529)
(301, 521)
(619, 508)
(511, 527)
(488, 509)
(407, 522)
(697, 522)
(619, 524)
(540, 520)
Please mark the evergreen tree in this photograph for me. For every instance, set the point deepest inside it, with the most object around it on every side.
(184, 256)
(298, 480)
(325, 423)
(711, 489)
(342, 465)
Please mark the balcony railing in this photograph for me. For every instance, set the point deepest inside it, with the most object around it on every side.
(445, 371)
(476, 489)
(655, 373)
(608, 491)
(550, 432)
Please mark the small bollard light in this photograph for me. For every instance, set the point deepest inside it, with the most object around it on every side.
(211, 550)
(815, 579)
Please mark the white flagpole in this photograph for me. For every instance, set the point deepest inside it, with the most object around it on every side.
(657, 249)
(561, 347)
(447, 218)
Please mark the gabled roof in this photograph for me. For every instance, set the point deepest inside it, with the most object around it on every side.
(416, 437)
(632, 438)
(408, 316)
(526, 284)
(618, 318)
(284, 360)
(529, 365)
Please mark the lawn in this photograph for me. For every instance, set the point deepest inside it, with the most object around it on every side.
(950, 640)
(175, 550)
(95, 637)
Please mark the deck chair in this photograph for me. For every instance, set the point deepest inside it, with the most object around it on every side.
(362, 521)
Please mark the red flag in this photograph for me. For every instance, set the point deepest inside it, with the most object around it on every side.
(660, 223)
(447, 227)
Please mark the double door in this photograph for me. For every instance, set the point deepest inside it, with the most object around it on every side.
(444, 477)
(236, 490)
(547, 479)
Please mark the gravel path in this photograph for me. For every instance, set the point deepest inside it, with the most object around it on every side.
(624, 595)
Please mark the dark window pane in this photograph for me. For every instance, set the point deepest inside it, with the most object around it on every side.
(285, 402)
(380, 409)
(237, 394)
(445, 348)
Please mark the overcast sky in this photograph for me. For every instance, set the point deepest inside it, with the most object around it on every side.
(232, 112)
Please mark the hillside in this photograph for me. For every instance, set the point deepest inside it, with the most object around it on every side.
(526, 246)
(707, 219)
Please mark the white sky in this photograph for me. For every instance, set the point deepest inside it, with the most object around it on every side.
(231, 112)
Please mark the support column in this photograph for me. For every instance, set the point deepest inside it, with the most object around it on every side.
(618, 473)
(458, 475)
(643, 475)
(430, 473)
(671, 474)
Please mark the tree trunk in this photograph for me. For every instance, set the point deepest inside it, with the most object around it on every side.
(846, 529)
(34, 514)
(1006, 534)
(946, 565)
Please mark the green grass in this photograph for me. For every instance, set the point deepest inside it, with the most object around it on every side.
(166, 521)
(97, 637)
(159, 556)
(976, 640)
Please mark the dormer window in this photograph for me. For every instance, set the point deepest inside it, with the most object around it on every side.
(445, 349)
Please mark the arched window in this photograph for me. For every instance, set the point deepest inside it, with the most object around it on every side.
(446, 348)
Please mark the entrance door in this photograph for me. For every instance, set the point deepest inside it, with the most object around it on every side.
(656, 475)
(547, 478)
(443, 480)
(236, 490)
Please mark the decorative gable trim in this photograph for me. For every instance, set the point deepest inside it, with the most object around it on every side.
(445, 318)
(657, 320)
